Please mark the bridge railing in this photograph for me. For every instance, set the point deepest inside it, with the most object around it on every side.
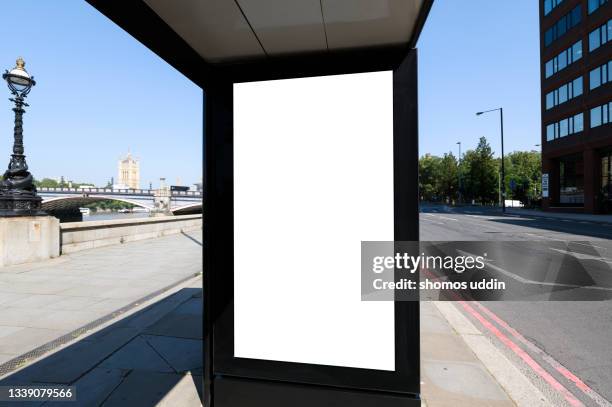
(150, 192)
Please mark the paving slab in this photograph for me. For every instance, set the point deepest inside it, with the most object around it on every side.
(4, 357)
(137, 354)
(451, 375)
(183, 322)
(144, 389)
(94, 387)
(61, 295)
(184, 355)
(68, 364)
(29, 338)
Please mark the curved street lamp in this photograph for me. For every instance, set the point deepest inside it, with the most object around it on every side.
(17, 191)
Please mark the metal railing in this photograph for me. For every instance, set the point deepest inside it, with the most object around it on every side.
(145, 192)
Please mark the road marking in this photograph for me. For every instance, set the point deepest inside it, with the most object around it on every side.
(535, 366)
(596, 397)
(444, 217)
(433, 221)
(524, 280)
(582, 256)
(589, 245)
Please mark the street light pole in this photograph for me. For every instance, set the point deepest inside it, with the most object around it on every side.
(17, 191)
(459, 172)
(503, 172)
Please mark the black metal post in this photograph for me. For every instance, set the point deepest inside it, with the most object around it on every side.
(502, 177)
(459, 174)
(18, 161)
(17, 190)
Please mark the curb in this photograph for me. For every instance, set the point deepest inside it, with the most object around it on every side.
(518, 387)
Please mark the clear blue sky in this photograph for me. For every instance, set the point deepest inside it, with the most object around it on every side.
(101, 92)
(98, 93)
(479, 55)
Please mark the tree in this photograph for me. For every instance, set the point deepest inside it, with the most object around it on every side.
(46, 183)
(448, 180)
(429, 172)
(523, 175)
(480, 174)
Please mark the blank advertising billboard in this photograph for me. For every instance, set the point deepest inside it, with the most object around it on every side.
(313, 177)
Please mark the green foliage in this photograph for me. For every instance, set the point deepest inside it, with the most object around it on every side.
(448, 182)
(112, 205)
(523, 176)
(477, 177)
(479, 174)
(438, 180)
(429, 174)
(47, 183)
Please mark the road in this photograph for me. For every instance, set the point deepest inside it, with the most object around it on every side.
(563, 346)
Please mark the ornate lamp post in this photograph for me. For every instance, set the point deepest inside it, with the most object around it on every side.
(17, 191)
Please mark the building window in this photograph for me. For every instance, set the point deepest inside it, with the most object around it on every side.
(563, 59)
(566, 127)
(600, 75)
(601, 115)
(600, 36)
(549, 5)
(595, 4)
(564, 93)
(571, 181)
(563, 25)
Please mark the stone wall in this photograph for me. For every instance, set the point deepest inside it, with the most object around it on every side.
(26, 239)
(88, 235)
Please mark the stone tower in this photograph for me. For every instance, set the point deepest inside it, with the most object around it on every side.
(129, 172)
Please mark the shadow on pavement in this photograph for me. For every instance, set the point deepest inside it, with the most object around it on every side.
(153, 355)
(558, 225)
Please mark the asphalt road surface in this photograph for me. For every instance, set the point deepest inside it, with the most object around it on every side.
(564, 347)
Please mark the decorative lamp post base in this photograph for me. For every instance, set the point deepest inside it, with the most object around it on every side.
(20, 205)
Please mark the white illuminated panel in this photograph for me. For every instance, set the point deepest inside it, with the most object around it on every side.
(313, 177)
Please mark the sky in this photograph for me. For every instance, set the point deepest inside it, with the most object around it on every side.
(478, 55)
(99, 92)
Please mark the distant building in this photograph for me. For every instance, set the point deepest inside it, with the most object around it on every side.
(128, 173)
(576, 72)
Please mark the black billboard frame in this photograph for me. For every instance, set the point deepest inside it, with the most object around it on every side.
(231, 381)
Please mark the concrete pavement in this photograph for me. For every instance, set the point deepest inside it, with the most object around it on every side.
(42, 302)
(150, 356)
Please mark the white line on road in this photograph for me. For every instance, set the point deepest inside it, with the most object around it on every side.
(529, 281)
(582, 256)
(433, 221)
(589, 245)
(444, 217)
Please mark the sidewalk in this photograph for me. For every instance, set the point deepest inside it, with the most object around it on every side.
(460, 367)
(63, 298)
(154, 357)
(578, 217)
(151, 357)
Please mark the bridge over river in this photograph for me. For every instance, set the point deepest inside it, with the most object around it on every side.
(68, 200)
